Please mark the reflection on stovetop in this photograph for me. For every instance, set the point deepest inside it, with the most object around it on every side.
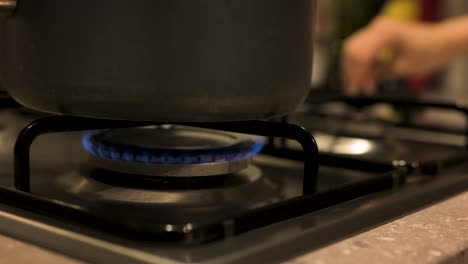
(381, 131)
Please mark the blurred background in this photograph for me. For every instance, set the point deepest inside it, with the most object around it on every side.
(338, 19)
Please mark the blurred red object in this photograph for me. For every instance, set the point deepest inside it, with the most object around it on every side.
(430, 12)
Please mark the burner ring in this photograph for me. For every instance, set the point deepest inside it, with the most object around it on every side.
(171, 150)
(174, 170)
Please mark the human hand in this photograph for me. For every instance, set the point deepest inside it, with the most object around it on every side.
(388, 47)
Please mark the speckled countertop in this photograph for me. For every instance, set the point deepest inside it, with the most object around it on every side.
(14, 251)
(437, 234)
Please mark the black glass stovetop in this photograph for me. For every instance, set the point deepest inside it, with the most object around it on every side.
(362, 181)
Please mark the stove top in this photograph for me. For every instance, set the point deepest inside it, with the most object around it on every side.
(221, 192)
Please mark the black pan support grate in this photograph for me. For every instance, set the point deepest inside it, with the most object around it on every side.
(68, 123)
(430, 167)
(411, 103)
(387, 177)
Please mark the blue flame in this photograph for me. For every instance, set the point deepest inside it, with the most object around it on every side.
(257, 147)
(86, 142)
(167, 157)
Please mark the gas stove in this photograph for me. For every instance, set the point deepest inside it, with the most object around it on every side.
(245, 191)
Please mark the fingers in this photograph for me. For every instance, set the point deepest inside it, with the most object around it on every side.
(365, 81)
(365, 58)
(389, 48)
(369, 87)
(359, 79)
(360, 71)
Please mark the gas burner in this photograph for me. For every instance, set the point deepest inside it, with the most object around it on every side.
(176, 201)
(171, 151)
(181, 209)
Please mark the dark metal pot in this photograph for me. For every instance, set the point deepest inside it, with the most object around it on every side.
(164, 60)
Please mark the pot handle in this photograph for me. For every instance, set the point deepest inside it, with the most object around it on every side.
(7, 7)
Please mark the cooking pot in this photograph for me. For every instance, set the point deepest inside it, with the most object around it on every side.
(161, 60)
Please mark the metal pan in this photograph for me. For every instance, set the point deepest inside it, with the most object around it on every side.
(164, 60)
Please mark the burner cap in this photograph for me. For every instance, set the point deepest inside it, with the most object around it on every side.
(171, 150)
